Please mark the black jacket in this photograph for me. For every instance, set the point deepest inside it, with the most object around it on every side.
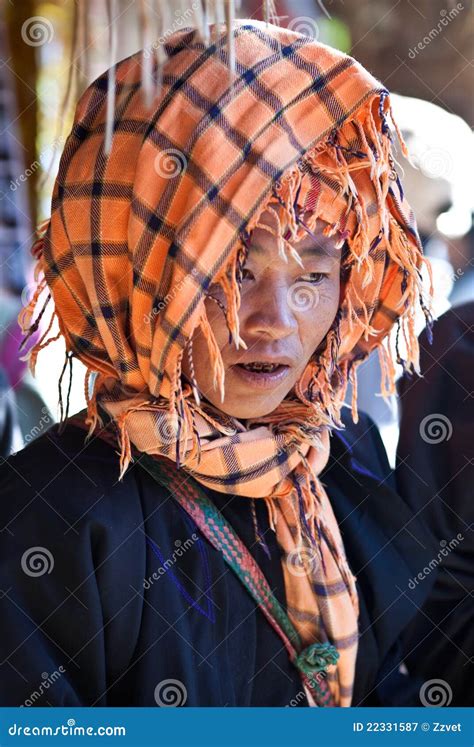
(92, 626)
(435, 474)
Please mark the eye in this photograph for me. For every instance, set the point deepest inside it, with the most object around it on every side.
(247, 274)
(315, 277)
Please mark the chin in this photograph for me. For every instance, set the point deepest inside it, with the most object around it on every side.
(247, 413)
(245, 400)
(252, 407)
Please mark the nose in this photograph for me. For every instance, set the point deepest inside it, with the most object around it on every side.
(268, 313)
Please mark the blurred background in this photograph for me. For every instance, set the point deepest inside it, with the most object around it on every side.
(50, 51)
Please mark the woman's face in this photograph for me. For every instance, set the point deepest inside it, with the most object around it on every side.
(285, 313)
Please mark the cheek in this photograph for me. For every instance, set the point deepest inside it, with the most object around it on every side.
(315, 324)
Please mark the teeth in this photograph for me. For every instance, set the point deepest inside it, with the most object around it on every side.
(267, 367)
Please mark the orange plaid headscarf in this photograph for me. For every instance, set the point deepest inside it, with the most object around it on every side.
(137, 235)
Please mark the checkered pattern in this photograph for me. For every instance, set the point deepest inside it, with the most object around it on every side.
(222, 535)
(137, 236)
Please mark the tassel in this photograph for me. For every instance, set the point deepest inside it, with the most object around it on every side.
(278, 233)
(110, 116)
(388, 373)
(206, 21)
(230, 17)
(219, 19)
(230, 286)
(33, 353)
(92, 418)
(124, 438)
(65, 414)
(125, 446)
(146, 59)
(85, 43)
(259, 538)
(272, 513)
(192, 372)
(198, 21)
(269, 12)
(353, 380)
(26, 313)
(39, 345)
(214, 354)
(350, 313)
(400, 137)
(160, 53)
(38, 246)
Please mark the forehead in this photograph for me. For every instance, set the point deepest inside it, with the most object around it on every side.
(264, 241)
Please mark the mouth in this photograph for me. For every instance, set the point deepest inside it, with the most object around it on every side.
(262, 373)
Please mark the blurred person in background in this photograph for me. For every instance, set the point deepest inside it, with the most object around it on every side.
(436, 180)
(21, 405)
(435, 475)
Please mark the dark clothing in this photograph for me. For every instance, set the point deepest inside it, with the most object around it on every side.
(435, 475)
(119, 633)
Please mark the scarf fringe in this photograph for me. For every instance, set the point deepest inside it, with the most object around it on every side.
(93, 418)
(222, 13)
(374, 152)
(214, 354)
(25, 317)
(325, 391)
(306, 490)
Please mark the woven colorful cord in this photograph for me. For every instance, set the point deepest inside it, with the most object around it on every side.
(312, 661)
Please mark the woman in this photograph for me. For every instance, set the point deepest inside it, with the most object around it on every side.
(220, 307)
